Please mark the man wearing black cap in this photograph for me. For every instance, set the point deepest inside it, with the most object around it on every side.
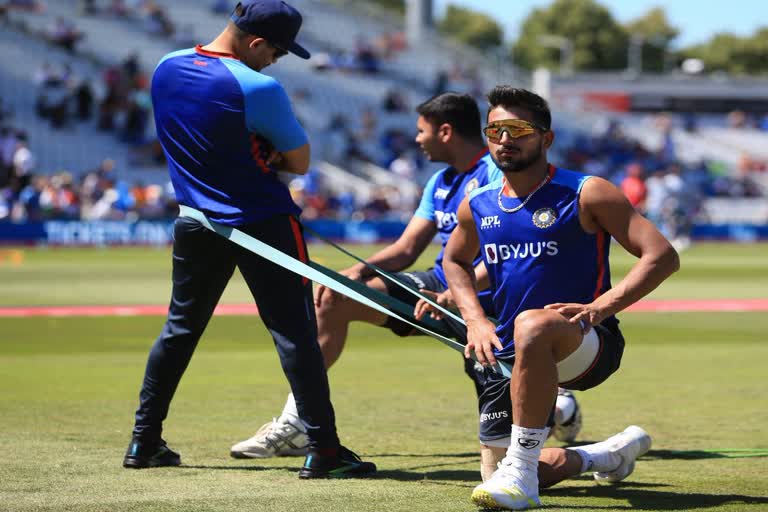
(226, 129)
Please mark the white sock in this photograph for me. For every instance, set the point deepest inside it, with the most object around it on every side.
(291, 414)
(526, 446)
(597, 457)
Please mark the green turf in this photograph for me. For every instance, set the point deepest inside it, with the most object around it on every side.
(70, 385)
(142, 276)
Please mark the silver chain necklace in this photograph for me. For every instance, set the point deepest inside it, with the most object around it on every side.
(521, 205)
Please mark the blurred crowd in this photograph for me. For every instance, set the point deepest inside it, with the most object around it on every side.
(96, 194)
(116, 100)
(666, 190)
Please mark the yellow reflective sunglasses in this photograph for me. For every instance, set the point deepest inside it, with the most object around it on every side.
(515, 128)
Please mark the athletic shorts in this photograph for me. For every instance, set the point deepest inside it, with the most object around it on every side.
(494, 401)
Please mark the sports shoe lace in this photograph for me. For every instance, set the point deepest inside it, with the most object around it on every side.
(347, 453)
(276, 431)
(512, 468)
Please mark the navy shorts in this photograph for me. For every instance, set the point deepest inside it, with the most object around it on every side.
(416, 281)
(494, 400)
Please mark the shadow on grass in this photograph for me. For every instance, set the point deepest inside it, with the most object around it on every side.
(241, 468)
(428, 455)
(736, 453)
(441, 477)
(641, 497)
(470, 477)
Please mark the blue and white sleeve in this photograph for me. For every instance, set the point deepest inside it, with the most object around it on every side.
(426, 209)
(268, 110)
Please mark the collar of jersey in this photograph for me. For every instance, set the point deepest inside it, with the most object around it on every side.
(199, 49)
(472, 166)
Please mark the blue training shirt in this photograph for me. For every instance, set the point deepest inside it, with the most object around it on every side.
(217, 120)
(538, 255)
(442, 196)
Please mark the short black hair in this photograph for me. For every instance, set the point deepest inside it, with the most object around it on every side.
(507, 97)
(458, 110)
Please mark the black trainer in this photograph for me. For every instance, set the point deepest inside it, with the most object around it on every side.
(143, 454)
(345, 464)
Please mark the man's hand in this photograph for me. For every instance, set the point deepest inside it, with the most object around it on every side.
(585, 315)
(327, 297)
(444, 299)
(481, 337)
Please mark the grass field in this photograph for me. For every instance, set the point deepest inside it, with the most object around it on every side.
(695, 381)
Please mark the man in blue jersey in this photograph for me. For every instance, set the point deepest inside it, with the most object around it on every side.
(544, 234)
(226, 129)
(448, 129)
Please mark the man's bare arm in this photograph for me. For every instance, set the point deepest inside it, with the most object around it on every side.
(395, 257)
(460, 253)
(605, 208)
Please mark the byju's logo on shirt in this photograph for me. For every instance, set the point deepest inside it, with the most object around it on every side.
(490, 222)
(503, 252)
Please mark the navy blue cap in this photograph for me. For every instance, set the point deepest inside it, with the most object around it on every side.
(274, 20)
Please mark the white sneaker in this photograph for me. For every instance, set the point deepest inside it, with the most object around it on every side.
(280, 438)
(509, 488)
(629, 445)
(568, 417)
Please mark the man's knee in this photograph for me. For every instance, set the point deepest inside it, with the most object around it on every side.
(538, 330)
(536, 327)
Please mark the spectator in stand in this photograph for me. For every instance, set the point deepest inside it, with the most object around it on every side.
(378, 206)
(54, 104)
(119, 9)
(135, 125)
(157, 21)
(84, 100)
(155, 204)
(25, 5)
(737, 119)
(366, 59)
(108, 107)
(634, 187)
(394, 101)
(45, 74)
(762, 124)
(441, 83)
(64, 33)
(28, 206)
(404, 166)
(23, 159)
(8, 142)
(88, 7)
(58, 199)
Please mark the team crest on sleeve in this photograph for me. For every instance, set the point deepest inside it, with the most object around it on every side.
(472, 185)
(544, 217)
